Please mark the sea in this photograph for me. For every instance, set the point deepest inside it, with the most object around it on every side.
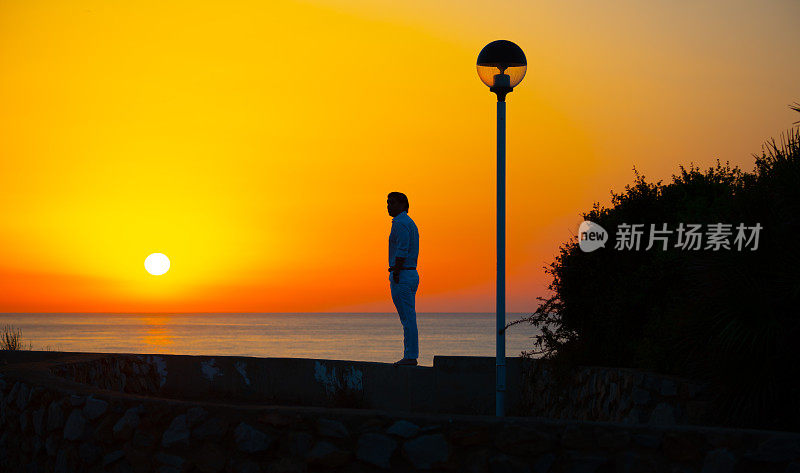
(340, 336)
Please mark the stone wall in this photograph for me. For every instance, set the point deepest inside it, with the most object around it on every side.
(47, 430)
(48, 423)
(612, 394)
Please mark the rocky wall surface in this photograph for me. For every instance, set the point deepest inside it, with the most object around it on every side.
(612, 394)
(52, 426)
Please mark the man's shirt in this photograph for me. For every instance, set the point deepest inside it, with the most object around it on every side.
(404, 240)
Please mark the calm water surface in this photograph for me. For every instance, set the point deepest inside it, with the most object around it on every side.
(364, 337)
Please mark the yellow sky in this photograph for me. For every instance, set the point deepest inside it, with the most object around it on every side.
(254, 142)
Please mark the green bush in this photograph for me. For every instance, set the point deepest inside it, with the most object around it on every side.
(729, 317)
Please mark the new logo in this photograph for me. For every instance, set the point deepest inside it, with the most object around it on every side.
(591, 236)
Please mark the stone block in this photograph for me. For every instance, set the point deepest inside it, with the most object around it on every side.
(75, 425)
(544, 463)
(89, 452)
(143, 439)
(251, 440)
(299, 443)
(635, 462)
(720, 460)
(171, 460)
(94, 408)
(286, 465)
(668, 388)
(176, 433)
(427, 451)
(640, 396)
(123, 429)
(332, 428)
(195, 415)
(663, 414)
(76, 400)
(502, 463)
(23, 396)
(404, 429)
(55, 416)
(213, 428)
(111, 457)
(683, 446)
(777, 449)
(613, 439)
(211, 459)
(647, 440)
(376, 449)
(327, 455)
(576, 438)
(585, 462)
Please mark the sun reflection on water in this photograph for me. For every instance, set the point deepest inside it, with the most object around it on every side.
(157, 333)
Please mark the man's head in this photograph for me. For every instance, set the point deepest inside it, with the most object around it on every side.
(396, 202)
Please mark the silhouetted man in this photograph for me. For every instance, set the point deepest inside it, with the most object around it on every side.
(403, 277)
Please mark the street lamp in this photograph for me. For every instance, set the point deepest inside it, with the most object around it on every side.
(501, 66)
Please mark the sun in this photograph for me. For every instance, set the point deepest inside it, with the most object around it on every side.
(156, 264)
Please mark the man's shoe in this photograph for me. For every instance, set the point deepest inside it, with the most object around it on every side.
(406, 362)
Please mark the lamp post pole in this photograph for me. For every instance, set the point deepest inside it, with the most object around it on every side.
(501, 66)
(500, 389)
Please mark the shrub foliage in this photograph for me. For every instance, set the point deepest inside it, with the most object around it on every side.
(729, 317)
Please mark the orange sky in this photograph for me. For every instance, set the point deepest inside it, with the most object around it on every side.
(254, 142)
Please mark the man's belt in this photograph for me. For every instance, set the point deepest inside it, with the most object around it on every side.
(413, 267)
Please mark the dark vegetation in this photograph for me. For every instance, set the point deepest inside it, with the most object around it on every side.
(11, 339)
(728, 317)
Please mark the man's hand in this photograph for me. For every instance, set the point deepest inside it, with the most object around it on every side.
(398, 263)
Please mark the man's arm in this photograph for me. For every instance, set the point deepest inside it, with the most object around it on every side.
(401, 253)
(399, 261)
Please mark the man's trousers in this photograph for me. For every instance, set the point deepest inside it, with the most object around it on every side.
(403, 294)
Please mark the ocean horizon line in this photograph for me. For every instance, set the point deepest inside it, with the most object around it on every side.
(248, 313)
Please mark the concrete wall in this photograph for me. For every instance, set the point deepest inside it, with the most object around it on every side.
(466, 384)
(459, 385)
(278, 381)
(454, 384)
